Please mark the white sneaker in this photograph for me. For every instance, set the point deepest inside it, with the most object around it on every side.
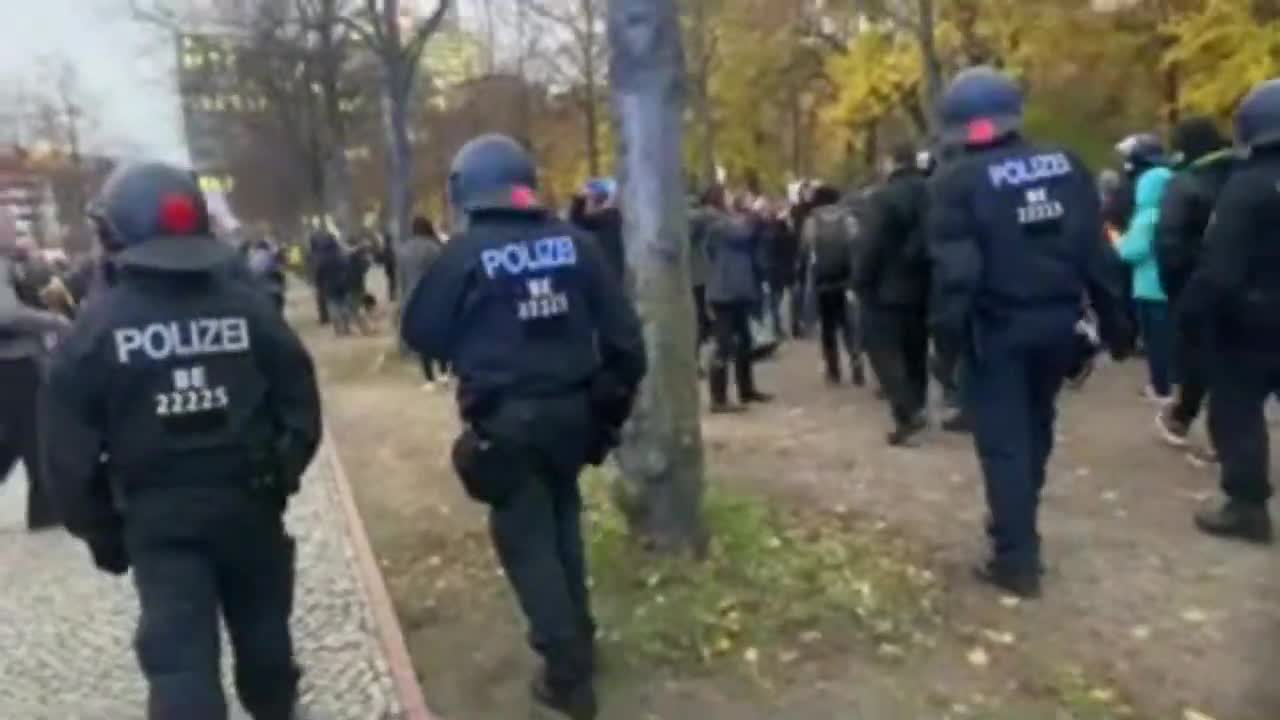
(1169, 431)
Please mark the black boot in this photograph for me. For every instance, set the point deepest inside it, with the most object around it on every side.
(747, 391)
(859, 374)
(577, 702)
(1238, 520)
(1019, 582)
(718, 382)
(906, 433)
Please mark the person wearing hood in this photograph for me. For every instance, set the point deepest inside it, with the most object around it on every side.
(416, 254)
(1208, 161)
(1235, 293)
(597, 213)
(24, 331)
(829, 241)
(1137, 249)
(892, 281)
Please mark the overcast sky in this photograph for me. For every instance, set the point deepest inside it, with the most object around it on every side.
(125, 70)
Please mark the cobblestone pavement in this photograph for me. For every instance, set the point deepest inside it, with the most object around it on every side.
(66, 630)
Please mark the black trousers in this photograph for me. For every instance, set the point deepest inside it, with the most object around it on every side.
(537, 529)
(1241, 383)
(194, 554)
(838, 325)
(431, 369)
(20, 434)
(898, 346)
(948, 369)
(732, 328)
(1192, 355)
(703, 317)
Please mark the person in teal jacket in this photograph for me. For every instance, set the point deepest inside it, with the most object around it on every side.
(1137, 249)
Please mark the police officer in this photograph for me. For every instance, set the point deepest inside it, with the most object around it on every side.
(548, 354)
(1237, 293)
(185, 411)
(1016, 236)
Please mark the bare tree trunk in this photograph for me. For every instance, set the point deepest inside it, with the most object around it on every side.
(400, 159)
(702, 93)
(398, 78)
(590, 75)
(591, 109)
(931, 62)
(661, 485)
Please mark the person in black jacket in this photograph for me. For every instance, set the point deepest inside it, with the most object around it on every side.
(1184, 217)
(892, 281)
(1236, 293)
(185, 411)
(734, 279)
(1015, 232)
(549, 356)
(596, 212)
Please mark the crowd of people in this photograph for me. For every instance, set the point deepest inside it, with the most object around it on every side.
(183, 410)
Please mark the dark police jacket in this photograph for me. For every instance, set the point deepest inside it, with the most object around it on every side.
(175, 381)
(523, 305)
(1015, 228)
(1184, 216)
(1237, 287)
(894, 268)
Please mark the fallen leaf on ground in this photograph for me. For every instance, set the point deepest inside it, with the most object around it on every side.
(999, 637)
(1103, 695)
(810, 637)
(1193, 714)
(1140, 632)
(786, 657)
(890, 650)
(1009, 601)
(978, 657)
(1194, 615)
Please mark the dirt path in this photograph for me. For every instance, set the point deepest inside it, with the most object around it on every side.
(1167, 619)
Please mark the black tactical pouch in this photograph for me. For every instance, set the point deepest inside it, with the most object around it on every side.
(490, 472)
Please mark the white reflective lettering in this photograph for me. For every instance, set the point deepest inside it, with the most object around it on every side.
(127, 340)
(520, 258)
(157, 342)
(183, 339)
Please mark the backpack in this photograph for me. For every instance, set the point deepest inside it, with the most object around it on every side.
(834, 231)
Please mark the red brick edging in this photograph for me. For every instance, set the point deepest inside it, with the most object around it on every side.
(399, 663)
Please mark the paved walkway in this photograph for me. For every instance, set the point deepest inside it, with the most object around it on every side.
(66, 630)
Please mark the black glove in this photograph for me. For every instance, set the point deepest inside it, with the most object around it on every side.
(109, 554)
(611, 400)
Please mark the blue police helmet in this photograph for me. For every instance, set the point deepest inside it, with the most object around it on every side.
(153, 215)
(1258, 119)
(981, 105)
(493, 172)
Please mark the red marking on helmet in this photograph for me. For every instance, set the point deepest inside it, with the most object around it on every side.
(981, 131)
(178, 214)
(523, 197)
